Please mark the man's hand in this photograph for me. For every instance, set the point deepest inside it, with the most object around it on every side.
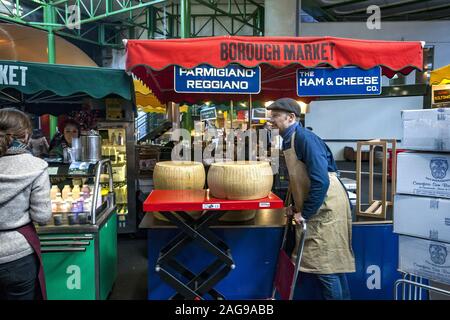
(298, 218)
(290, 212)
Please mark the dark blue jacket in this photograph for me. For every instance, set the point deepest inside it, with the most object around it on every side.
(318, 160)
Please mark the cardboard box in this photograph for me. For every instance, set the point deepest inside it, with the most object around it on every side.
(422, 217)
(427, 130)
(424, 174)
(424, 258)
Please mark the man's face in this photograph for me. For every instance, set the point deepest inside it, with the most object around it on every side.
(281, 120)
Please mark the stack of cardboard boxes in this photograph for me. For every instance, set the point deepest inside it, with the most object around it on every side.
(422, 201)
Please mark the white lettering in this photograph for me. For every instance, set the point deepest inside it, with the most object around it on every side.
(74, 19)
(12, 75)
(374, 20)
(311, 82)
(4, 74)
(374, 280)
(74, 280)
(186, 310)
(9, 75)
(24, 75)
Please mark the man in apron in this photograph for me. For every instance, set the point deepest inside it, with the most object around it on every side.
(321, 201)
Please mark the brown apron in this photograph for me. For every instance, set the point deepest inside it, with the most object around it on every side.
(30, 234)
(327, 247)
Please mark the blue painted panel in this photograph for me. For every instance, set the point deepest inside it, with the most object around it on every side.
(376, 253)
(254, 251)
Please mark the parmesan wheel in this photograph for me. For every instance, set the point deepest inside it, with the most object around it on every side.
(240, 180)
(179, 175)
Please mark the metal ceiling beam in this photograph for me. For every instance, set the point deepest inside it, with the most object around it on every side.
(339, 4)
(384, 7)
(314, 10)
(216, 8)
(418, 11)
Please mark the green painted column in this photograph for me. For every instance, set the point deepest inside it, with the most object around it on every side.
(49, 18)
(185, 18)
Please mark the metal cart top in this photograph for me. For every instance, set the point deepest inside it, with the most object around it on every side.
(195, 200)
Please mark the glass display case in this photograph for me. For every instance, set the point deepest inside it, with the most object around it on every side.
(77, 194)
(118, 147)
(79, 243)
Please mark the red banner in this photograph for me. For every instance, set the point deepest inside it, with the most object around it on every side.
(279, 57)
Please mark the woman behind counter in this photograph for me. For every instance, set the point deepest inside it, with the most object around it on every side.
(71, 129)
(24, 199)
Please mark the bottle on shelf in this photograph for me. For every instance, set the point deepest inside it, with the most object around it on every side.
(64, 207)
(86, 191)
(54, 206)
(120, 139)
(57, 203)
(113, 138)
(53, 191)
(87, 204)
(78, 205)
(113, 153)
(65, 191)
(76, 192)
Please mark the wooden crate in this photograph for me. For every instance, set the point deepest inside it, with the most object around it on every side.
(377, 207)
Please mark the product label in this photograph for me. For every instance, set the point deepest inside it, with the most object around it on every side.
(264, 204)
(207, 206)
(425, 258)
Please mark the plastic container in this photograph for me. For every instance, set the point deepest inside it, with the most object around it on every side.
(87, 204)
(57, 219)
(76, 192)
(65, 192)
(54, 191)
(86, 191)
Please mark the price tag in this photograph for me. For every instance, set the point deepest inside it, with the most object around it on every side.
(207, 206)
(264, 204)
(52, 171)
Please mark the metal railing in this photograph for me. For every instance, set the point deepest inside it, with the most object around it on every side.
(414, 288)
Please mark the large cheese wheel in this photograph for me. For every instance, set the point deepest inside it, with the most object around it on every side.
(179, 175)
(240, 180)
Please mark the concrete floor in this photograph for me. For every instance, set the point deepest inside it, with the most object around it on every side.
(131, 282)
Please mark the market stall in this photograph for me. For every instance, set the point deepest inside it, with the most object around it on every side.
(286, 67)
(440, 87)
(89, 182)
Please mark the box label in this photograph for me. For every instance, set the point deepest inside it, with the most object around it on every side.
(423, 174)
(424, 258)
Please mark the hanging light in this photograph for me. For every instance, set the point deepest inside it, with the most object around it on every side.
(268, 103)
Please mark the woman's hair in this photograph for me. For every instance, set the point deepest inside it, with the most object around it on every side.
(14, 124)
(71, 122)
